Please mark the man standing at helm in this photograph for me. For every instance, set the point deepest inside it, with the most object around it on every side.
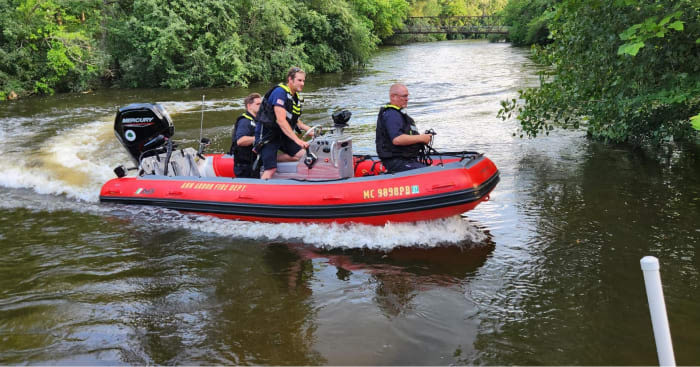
(278, 119)
(398, 141)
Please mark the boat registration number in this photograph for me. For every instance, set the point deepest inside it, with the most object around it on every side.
(392, 191)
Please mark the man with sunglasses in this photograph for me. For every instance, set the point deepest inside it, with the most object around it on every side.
(397, 139)
(279, 119)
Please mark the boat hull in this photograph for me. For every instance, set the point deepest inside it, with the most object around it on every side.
(429, 193)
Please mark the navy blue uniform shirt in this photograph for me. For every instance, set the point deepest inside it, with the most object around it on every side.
(393, 122)
(244, 127)
(278, 97)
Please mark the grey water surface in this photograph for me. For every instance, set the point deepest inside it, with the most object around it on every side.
(544, 273)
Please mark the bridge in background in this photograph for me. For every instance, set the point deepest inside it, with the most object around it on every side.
(473, 25)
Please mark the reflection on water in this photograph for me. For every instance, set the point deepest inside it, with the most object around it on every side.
(167, 296)
(400, 273)
(265, 312)
(545, 273)
(594, 220)
(390, 305)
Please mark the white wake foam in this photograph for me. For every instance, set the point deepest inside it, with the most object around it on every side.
(73, 162)
(453, 230)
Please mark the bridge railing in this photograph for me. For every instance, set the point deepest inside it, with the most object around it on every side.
(454, 24)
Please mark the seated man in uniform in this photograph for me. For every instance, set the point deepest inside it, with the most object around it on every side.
(397, 139)
(244, 137)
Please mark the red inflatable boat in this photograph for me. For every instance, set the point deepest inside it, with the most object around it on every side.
(330, 185)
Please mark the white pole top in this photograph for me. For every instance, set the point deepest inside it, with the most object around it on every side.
(649, 263)
(657, 308)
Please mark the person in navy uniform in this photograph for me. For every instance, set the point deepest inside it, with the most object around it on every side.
(244, 137)
(277, 122)
(397, 139)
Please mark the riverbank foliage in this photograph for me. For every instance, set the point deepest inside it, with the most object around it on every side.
(49, 46)
(625, 70)
(528, 21)
(445, 8)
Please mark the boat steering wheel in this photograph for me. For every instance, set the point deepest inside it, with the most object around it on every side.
(313, 128)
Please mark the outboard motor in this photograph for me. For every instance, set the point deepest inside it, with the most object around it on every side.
(141, 127)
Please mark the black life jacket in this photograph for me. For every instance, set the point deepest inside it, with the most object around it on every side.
(385, 147)
(292, 104)
(242, 155)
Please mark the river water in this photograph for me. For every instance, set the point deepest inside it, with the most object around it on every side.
(545, 273)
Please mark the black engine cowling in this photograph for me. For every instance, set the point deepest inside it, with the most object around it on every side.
(141, 127)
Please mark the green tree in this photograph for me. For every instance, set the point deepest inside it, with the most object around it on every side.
(528, 21)
(75, 45)
(271, 39)
(425, 8)
(49, 45)
(335, 38)
(625, 70)
(177, 44)
(384, 16)
(491, 7)
(431, 8)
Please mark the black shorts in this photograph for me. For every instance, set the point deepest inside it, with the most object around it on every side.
(268, 153)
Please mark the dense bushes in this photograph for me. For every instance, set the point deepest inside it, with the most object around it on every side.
(49, 46)
(446, 8)
(625, 70)
(187, 43)
(75, 45)
(45, 46)
(528, 21)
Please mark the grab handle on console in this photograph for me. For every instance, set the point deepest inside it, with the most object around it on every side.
(333, 160)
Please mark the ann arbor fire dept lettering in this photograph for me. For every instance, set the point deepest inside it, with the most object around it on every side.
(212, 186)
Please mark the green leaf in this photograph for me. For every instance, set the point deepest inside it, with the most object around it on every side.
(630, 32)
(630, 48)
(695, 120)
(677, 25)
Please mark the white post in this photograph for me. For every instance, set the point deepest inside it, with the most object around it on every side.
(657, 308)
